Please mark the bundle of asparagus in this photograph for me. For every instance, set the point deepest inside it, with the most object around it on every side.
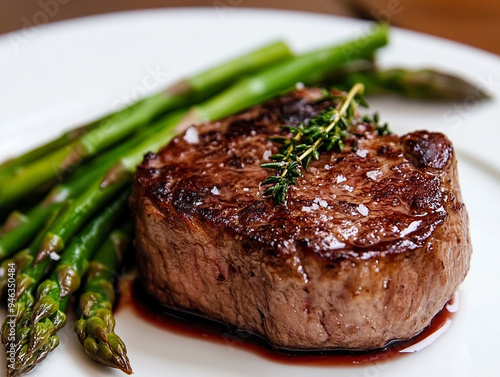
(66, 229)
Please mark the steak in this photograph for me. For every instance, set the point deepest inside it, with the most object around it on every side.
(371, 244)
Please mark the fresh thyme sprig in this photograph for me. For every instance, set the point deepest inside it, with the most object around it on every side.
(326, 131)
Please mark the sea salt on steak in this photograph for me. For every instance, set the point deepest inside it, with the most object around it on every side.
(372, 243)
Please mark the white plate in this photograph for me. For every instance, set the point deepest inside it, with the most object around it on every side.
(58, 76)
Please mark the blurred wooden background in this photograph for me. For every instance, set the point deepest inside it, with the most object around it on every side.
(474, 22)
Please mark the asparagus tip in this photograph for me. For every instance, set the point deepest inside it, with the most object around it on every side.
(75, 133)
(43, 309)
(75, 155)
(23, 282)
(122, 362)
(124, 366)
(112, 353)
(15, 219)
(460, 87)
(13, 372)
(52, 243)
(484, 95)
(115, 174)
(68, 279)
(179, 88)
(57, 195)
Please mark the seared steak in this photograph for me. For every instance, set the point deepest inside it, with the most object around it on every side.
(372, 242)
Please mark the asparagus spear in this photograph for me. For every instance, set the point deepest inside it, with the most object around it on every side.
(95, 328)
(75, 215)
(20, 259)
(422, 84)
(308, 68)
(34, 268)
(15, 219)
(18, 236)
(37, 330)
(14, 237)
(20, 228)
(24, 299)
(207, 83)
(11, 165)
(125, 166)
(96, 194)
(115, 128)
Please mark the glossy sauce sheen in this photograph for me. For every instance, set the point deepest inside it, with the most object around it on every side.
(195, 326)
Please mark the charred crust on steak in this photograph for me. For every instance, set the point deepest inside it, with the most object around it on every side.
(428, 150)
(371, 245)
(384, 193)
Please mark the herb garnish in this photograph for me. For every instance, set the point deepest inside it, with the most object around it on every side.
(324, 132)
(381, 129)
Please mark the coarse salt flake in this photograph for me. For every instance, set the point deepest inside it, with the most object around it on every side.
(341, 178)
(410, 228)
(215, 190)
(374, 174)
(321, 202)
(348, 188)
(54, 256)
(267, 154)
(313, 207)
(191, 135)
(362, 153)
(362, 209)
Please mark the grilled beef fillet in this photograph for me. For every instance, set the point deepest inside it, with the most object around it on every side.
(372, 242)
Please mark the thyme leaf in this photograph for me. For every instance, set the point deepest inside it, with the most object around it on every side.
(324, 132)
(381, 129)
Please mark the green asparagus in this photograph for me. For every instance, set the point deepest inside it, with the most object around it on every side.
(422, 84)
(14, 237)
(97, 193)
(37, 329)
(125, 166)
(116, 127)
(9, 166)
(24, 297)
(19, 228)
(308, 68)
(75, 215)
(18, 236)
(34, 267)
(15, 219)
(95, 328)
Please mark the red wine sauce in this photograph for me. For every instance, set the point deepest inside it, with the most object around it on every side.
(195, 326)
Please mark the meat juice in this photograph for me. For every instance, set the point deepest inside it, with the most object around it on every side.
(195, 326)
